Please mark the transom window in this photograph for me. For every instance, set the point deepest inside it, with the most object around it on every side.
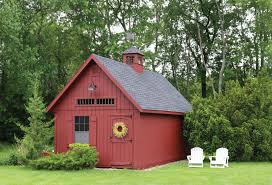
(105, 101)
(98, 101)
(85, 101)
(81, 123)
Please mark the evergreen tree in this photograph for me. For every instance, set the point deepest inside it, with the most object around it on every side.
(39, 133)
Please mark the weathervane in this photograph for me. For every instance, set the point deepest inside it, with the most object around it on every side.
(130, 36)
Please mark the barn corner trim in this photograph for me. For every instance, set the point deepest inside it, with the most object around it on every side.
(79, 71)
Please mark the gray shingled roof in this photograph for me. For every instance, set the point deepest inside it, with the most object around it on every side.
(149, 89)
(133, 50)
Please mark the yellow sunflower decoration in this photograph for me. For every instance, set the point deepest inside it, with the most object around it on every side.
(120, 129)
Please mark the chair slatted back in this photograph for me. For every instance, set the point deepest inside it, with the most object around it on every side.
(197, 154)
(221, 155)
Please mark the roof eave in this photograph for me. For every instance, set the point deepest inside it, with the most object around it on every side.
(133, 53)
(162, 112)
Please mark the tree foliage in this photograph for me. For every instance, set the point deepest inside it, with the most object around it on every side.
(239, 120)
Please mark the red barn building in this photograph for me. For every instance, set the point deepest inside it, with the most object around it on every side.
(132, 116)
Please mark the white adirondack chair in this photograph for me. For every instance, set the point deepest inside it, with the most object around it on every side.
(196, 158)
(221, 160)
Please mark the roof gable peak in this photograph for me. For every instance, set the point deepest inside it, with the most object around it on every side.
(94, 58)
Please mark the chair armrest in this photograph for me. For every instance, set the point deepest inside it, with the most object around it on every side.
(188, 157)
(211, 157)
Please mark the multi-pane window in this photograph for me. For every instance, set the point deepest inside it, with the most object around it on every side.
(81, 123)
(140, 60)
(105, 101)
(85, 101)
(98, 101)
(130, 59)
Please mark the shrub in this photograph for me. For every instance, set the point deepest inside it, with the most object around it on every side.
(16, 159)
(240, 120)
(79, 156)
(7, 154)
(13, 159)
(3, 160)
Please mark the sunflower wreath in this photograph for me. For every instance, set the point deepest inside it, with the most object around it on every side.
(119, 129)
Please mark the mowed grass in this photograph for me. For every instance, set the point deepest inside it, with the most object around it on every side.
(239, 173)
(250, 173)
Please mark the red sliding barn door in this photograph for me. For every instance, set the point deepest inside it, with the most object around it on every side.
(122, 147)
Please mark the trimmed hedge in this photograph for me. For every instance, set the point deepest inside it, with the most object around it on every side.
(79, 156)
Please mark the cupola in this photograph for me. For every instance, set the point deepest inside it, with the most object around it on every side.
(135, 58)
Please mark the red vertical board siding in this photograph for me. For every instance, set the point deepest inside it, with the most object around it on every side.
(55, 132)
(155, 138)
(100, 121)
(70, 127)
(158, 140)
(93, 131)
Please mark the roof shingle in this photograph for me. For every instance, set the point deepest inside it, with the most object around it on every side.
(149, 89)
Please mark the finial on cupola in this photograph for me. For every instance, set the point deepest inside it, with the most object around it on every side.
(133, 56)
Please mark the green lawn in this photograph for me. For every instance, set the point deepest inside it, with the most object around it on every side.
(251, 173)
(176, 173)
